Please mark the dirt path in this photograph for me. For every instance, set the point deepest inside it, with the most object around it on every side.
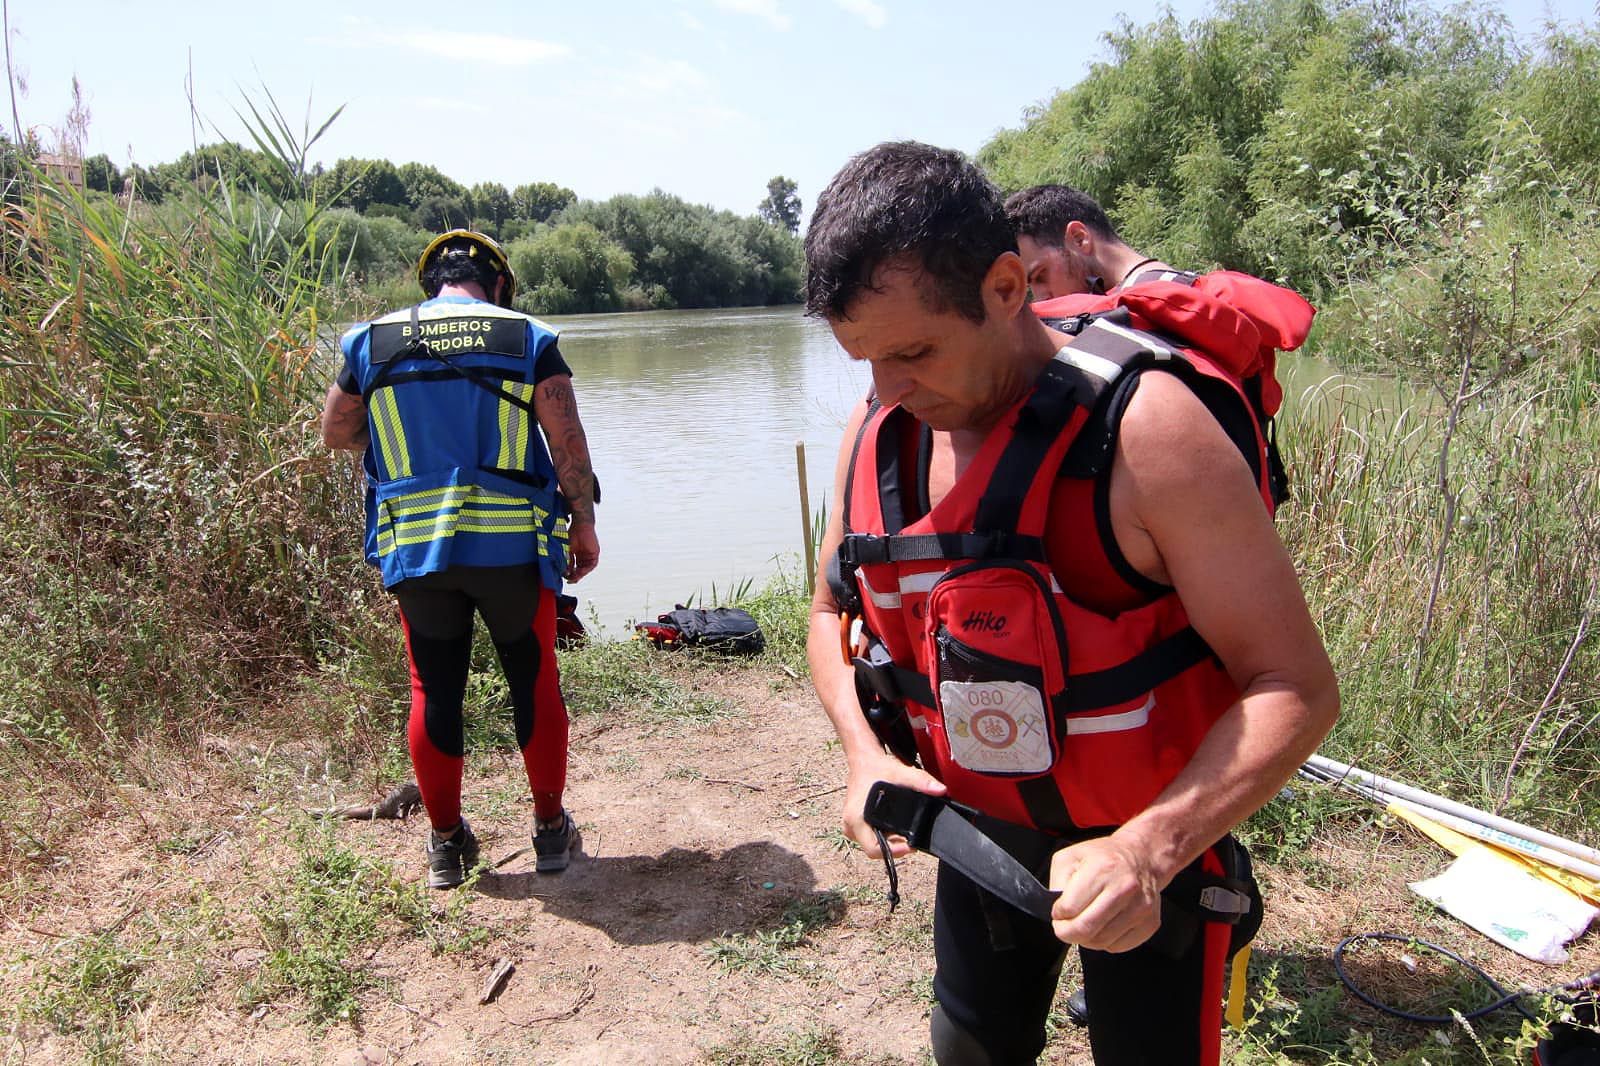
(712, 916)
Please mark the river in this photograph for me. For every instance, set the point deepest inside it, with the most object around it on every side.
(692, 418)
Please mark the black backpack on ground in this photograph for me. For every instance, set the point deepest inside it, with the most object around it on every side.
(725, 629)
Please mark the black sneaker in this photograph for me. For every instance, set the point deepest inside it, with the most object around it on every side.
(554, 845)
(1078, 1008)
(451, 860)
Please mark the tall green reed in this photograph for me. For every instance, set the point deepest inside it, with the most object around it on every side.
(1449, 533)
(181, 541)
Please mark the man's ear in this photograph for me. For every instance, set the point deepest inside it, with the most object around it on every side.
(1078, 237)
(1005, 286)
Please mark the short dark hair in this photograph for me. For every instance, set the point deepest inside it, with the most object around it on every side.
(454, 263)
(905, 199)
(1043, 211)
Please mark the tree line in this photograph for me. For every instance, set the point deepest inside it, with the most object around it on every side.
(1276, 135)
(629, 252)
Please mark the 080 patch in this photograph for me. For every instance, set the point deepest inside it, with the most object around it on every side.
(996, 727)
(454, 335)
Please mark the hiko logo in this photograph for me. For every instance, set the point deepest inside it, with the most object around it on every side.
(987, 621)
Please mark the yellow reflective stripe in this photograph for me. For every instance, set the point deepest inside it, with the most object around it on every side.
(452, 496)
(449, 490)
(434, 514)
(514, 426)
(522, 517)
(391, 434)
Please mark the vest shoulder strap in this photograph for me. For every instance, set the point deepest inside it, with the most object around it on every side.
(1108, 356)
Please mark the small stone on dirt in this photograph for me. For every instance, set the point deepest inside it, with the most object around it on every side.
(367, 1056)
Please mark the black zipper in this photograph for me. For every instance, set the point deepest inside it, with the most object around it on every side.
(985, 663)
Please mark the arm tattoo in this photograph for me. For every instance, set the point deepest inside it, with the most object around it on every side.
(569, 448)
(559, 392)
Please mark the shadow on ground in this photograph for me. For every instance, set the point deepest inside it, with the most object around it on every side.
(680, 896)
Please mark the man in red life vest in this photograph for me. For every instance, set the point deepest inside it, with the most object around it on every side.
(1068, 245)
(1017, 651)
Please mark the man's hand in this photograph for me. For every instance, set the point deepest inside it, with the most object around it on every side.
(344, 420)
(867, 769)
(583, 550)
(1110, 900)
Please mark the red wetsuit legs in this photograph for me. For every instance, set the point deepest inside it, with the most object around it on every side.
(434, 730)
(541, 711)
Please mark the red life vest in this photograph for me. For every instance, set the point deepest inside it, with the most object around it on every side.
(1030, 706)
(1280, 317)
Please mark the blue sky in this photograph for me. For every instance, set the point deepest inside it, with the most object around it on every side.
(704, 98)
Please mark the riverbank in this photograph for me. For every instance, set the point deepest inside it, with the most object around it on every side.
(191, 910)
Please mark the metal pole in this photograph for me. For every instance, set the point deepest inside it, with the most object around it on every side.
(805, 517)
(1395, 790)
(1466, 827)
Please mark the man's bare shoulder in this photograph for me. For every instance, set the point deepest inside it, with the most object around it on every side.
(1169, 440)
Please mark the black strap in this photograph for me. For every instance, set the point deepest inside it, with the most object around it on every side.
(893, 895)
(873, 407)
(939, 827)
(1040, 423)
(1140, 674)
(866, 549)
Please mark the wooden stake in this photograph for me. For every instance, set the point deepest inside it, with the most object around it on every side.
(805, 516)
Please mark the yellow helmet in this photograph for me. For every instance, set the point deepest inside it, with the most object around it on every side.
(477, 246)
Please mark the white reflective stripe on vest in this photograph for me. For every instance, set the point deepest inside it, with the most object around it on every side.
(1114, 723)
(1144, 340)
(886, 600)
(913, 585)
(919, 584)
(1104, 369)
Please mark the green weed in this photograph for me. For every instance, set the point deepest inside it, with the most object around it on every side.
(834, 839)
(631, 678)
(814, 1046)
(94, 984)
(332, 904)
(770, 951)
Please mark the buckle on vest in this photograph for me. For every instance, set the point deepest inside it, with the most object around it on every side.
(875, 675)
(1219, 903)
(863, 549)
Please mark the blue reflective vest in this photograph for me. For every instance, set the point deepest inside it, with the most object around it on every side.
(457, 469)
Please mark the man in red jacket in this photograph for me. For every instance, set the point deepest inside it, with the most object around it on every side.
(912, 263)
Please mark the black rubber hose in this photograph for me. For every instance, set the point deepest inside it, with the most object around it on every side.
(1507, 999)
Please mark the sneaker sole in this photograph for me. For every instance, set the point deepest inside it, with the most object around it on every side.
(441, 880)
(554, 864)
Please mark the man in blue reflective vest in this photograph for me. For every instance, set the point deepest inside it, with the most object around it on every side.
(480, 497)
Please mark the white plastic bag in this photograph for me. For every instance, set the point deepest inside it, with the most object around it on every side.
(1508, 905)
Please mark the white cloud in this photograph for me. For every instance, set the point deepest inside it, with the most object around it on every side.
(869, 11)
(658, 76)
(690, 23)
(477, 47)
(449, 106)
(767, 9)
